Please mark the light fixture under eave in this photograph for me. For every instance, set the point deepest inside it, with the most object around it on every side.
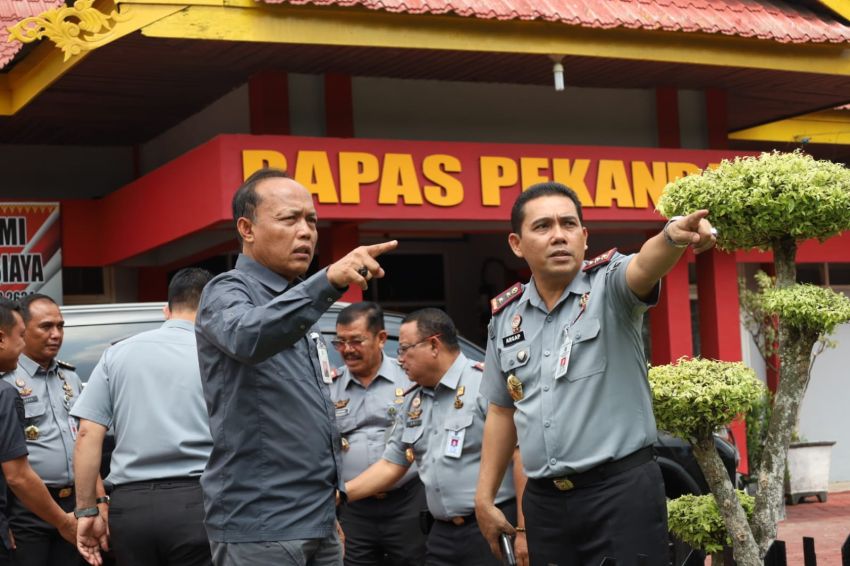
(558, 72)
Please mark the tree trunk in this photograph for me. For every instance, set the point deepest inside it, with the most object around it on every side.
(795, 351)
(785, 261)
(794, 355)
(744, 546)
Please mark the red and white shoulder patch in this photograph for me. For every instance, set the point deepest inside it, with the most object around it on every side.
(599, 260)
(504, 298)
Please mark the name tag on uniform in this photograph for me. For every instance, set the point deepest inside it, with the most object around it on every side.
(564, 356)
(31, 399)
(513, 339)
(324, 362)
(454, 443)
(72, 426)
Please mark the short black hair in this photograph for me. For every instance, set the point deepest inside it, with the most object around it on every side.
(28, 300)
(7, 316)
(184, 290)
(372, 311)
(431, 321)
(246, 200)
(537, 191)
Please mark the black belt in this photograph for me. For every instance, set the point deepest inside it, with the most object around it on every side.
(393, 493)
(595, 474)
(467, 519)
(164, 482)
(61, 492)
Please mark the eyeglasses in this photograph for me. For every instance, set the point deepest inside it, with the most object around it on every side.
(353, 343)
(403, 348)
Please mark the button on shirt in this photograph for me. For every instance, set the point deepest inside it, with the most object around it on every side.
(52, 453)
(273, 470)
(365, 416)
(148, 387)
(601, 409)
(449, 481)
(12, 445)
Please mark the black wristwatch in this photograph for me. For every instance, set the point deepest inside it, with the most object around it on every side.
(104, 499)
(86, 512)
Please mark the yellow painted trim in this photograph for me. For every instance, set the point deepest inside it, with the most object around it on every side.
(839, 7)
(251, 20)
(46, 64)
(830, 127)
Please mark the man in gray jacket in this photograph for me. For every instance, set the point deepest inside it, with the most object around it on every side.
(269, 487)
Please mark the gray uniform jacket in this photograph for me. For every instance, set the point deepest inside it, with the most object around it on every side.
(442, 429)
(365, 416)
(51, 431)
(600, 409)
(148, 388)
(275, 462)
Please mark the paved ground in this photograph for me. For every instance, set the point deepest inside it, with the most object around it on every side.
(828, 523)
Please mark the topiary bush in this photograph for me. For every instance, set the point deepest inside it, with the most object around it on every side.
(695, 397)
(772, 202)
(756, 201)
(696, 521)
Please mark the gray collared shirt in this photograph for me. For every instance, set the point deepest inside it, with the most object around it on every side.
(274, 466)
(365, 415)
(446, 440)
(51, 452)
(601, 408)
(148, 388)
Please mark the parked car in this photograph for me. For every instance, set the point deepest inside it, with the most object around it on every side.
(90, 329)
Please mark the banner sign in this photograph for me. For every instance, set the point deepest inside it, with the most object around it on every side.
(30, 250)
(400, 180)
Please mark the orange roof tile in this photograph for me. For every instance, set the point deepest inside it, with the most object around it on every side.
(774, 20)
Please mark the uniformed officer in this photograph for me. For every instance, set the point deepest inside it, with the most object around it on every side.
(17, 472)
(440, 429)
(148, 389)
(368, 394)
(566, 374)
(49, 389)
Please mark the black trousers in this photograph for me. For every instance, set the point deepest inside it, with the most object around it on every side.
(385, 531)
(39, 543)
(619, 517)
(463, 545)
(159, 523)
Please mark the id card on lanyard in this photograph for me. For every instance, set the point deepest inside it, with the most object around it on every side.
(567, 345)
(324, 361)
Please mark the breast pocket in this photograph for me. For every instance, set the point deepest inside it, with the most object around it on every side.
(345, 423)
(34, 410)
(459, 428)
(411, 434)
(514, 360)
(587, 358)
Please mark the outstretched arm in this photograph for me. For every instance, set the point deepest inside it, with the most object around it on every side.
(657, 256)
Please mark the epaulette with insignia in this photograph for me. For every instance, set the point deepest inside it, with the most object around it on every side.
(65, 365)
(505, 297)
(478, 365)
(411, 389)
(599, 260)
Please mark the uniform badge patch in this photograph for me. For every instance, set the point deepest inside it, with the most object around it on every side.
(599, 260)
(515, 388)
(512, 293)
(31, 432)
